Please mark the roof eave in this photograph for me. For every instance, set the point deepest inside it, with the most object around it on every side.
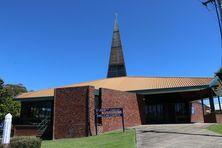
(170, 90)
(43, 98)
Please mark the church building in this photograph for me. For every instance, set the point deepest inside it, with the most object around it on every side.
(69, 111)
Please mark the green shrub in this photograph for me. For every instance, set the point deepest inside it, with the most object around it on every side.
(24, 142)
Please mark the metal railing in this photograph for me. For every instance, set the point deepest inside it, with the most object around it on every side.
(42, 126)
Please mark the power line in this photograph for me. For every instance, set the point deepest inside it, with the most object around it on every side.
(216, 4)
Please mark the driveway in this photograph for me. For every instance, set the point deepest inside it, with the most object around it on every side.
(177, 136)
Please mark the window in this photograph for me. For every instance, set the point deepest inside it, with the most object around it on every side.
(35, 112)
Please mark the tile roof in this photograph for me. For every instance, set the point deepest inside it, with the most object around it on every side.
(129, 84)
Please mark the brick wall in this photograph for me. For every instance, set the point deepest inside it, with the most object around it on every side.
(219, 118)
(213, 118)
(210, 118)
(25, 130)
(198, 112)
(130, 104)
(73, 112)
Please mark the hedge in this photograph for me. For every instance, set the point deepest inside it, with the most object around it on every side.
(24, 142)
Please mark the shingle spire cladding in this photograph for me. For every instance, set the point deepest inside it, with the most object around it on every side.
(116, 61)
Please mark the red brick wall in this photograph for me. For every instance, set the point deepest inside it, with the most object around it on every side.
(129, 103)
(73, 112)
(25, 130)
(210, 118)
(213, 118)
(198, 116)
(219, 118)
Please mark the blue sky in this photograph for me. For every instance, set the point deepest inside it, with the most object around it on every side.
(47, 44)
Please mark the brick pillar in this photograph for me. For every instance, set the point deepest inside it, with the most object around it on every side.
(203, 109)
(73, 112)
(91, 106)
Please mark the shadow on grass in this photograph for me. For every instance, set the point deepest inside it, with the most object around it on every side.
(181, 133)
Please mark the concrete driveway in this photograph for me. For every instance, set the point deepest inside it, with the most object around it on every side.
(177, 136)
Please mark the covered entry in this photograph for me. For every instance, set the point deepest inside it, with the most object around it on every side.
(167, 113)
(173, 105)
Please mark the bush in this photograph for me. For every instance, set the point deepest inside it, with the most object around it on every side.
(24, 142)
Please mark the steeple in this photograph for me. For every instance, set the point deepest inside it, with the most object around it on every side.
(116, 60)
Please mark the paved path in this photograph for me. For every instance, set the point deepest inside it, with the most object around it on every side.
(177, 136)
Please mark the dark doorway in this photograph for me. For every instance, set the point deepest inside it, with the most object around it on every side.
(167, 113)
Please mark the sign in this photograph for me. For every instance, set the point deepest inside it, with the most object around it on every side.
(108, 109)
(109, 115)
(109, 112)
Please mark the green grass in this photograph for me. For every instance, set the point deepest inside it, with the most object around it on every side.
(116, 139)
(217, 128)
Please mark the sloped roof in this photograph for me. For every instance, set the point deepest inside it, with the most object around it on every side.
(130, 84)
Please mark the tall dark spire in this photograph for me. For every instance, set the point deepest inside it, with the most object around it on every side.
(116, 61)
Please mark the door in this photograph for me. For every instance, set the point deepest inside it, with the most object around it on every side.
(154, 113)
(166, 113)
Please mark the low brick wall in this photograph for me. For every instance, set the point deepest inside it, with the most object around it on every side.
(25, 130)
(210, 118)
(218, 117)
(130, 104)
(213, 118)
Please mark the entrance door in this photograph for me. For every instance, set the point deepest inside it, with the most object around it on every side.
(181, 112)
(167, 113)
(154, 113)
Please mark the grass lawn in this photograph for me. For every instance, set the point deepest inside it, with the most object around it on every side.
(116, 139)
(217, 128)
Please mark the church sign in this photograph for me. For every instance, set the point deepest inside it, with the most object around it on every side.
(109, 112)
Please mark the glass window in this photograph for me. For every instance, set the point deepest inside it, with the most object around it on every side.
(35, 112)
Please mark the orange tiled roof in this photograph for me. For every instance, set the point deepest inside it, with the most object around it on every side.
(130, 84)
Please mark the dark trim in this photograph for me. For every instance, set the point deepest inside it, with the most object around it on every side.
(203, 108)
(170, 90)
(54, 115)
(34, 99)
(96, 92)
(87, 126)
(145, 91)
(25, 126)
(219, 102)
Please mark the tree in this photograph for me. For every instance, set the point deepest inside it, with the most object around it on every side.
(14, 89)
(7, 104)
(219, 73)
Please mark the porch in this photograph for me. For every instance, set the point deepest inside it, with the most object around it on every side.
(183, 106)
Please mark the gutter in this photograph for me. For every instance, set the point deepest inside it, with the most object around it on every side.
(171, 90)
(35, 99)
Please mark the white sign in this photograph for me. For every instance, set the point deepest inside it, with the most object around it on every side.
(7, 129)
